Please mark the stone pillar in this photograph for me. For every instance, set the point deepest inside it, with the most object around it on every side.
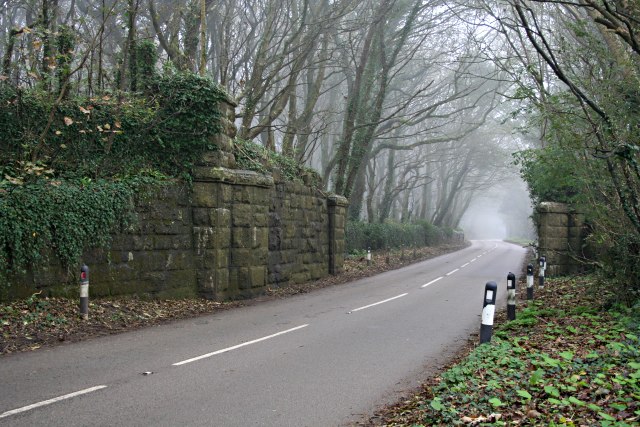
(222, 155)
(231, 231)
(560, 237)
(337, 206)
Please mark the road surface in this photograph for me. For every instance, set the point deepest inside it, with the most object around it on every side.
(320, 359)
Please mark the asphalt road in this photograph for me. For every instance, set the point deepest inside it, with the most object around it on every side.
(320, 359)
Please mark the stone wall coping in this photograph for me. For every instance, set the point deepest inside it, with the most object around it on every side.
(336, 200)
(552, 207)
(232, 176)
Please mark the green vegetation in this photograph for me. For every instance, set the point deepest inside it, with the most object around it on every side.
(563, 362)
(363, 235)
(70, 167)
(256, 157)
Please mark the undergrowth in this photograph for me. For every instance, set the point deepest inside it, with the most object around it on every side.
(558, 364)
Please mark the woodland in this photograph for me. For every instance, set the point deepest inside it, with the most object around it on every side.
(414, 110)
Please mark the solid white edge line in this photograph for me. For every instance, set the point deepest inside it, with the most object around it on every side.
(378, 303)
(451, 272)
(432, 282)
(464, 265)
(50, 401)
(224, 350)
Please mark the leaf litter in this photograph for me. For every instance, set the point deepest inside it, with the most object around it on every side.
(567, 360)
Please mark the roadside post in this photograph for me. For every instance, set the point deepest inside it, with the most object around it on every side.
(529, 282)
(84, 292)
(488, 311)
(369, 256)
(543, 266)
(511, 296)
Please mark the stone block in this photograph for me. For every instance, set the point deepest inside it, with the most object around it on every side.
(180, 241)
(547, 244)
(201, 216)
(242, 216)
(178, 260)
(204, 238)
(205, 194)
(554, 220)
(220, 217)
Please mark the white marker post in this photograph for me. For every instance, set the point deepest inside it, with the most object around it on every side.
(84, 292)
(369, 256)
(488, 311)
(511, 296)
(543, 267)
(529, 282)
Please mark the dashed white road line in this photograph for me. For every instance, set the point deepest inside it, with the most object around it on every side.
(451, 272)
(473, 260)
(50, 401)
(378, 303)
(244, 344)
(432, 282)
(464, 265)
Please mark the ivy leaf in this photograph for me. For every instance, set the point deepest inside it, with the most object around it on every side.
(552, 391)
(606, 416)
(437, 405)
(566, 355)
(524, 393)
(495, 402)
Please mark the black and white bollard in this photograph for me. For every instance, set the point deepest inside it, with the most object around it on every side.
(543, 267)
(369, 256)
(84, 292)
(529, 282)
(511, 296)
(488, 311)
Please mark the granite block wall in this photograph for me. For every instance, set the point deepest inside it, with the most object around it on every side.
(561, 233)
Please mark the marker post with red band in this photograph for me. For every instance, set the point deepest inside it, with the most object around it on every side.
(84, 292)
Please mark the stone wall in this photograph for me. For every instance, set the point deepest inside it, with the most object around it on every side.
(229, 235)
(561, 233)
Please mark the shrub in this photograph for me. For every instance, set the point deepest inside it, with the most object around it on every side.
(364, 235)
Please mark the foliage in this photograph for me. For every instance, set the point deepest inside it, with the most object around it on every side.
(559, 364)
(255, 157)
(621, 265)
(167, 129)
(60, 218)
(363, 235)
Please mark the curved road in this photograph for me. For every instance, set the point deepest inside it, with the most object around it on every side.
(319, 359)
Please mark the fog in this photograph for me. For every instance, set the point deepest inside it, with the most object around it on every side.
(502, 213)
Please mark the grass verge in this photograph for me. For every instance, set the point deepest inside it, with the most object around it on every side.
(564, 361)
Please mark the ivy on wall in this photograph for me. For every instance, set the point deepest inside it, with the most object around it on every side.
(69, 169)
(61, 218)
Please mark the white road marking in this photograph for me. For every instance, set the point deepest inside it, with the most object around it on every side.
(50, 401)
(224, 350)
(431, 282)
(378, 303)
(464, 265)
(451, 272)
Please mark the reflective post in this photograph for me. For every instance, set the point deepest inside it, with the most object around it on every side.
(529, 282)
(369, 256)
(543, 266)
(488, 311)
(511, 296)
(84, 292)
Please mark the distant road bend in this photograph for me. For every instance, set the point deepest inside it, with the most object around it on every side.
(320, 359)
